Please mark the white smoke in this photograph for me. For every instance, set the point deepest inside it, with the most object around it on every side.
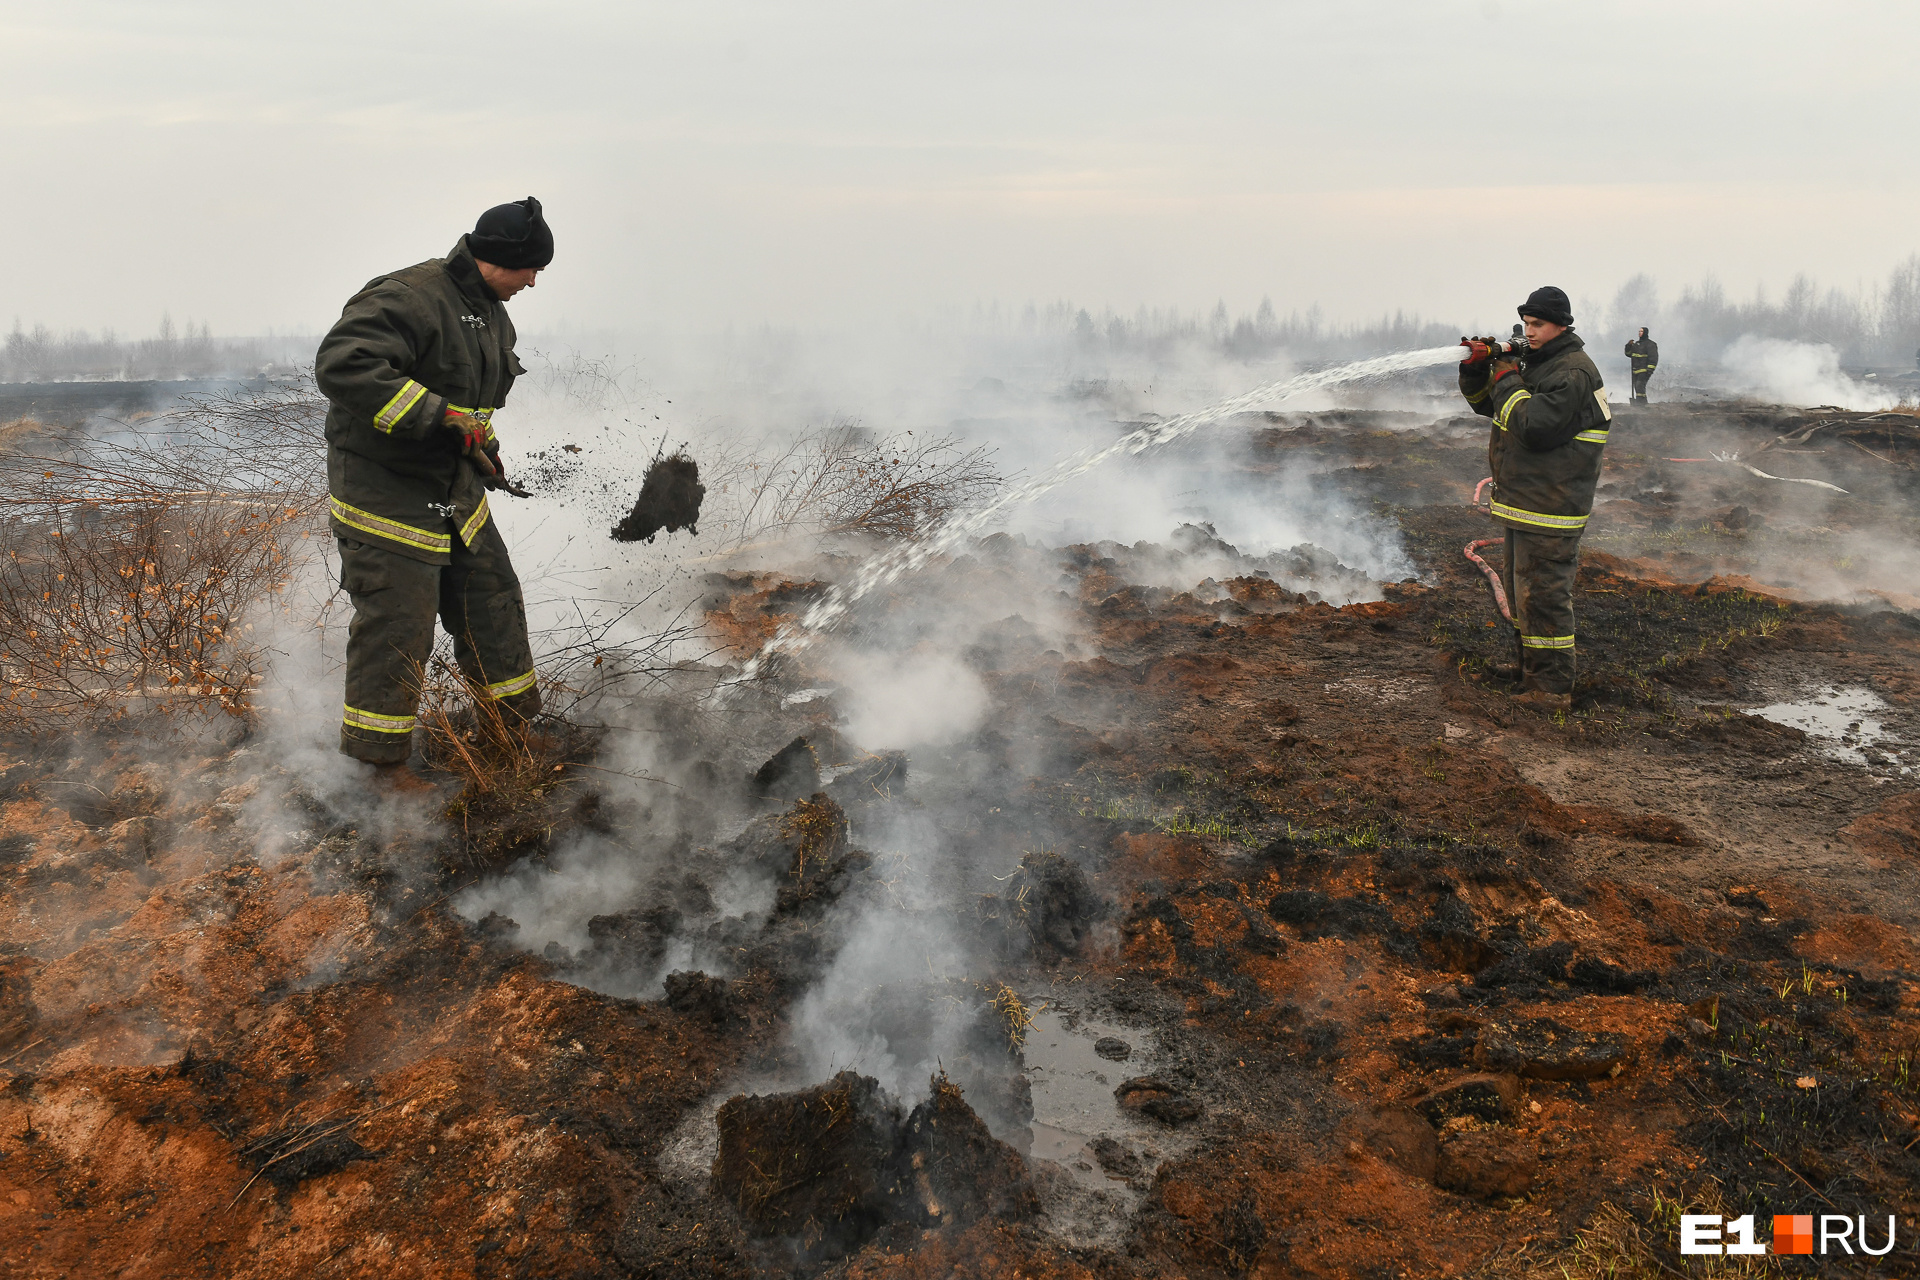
(920, 699)
(1799, 373)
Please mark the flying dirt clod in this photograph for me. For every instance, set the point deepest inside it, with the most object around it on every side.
(670, 498)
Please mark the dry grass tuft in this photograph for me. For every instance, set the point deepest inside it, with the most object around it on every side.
(1015, 1014)
(515, 786)
(821, 828)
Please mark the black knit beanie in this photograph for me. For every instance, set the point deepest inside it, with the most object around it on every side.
(513, 236)
(1549, 304)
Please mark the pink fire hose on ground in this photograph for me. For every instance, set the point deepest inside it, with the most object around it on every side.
(1493, 574)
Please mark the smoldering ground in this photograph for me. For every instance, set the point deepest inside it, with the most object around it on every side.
(910, 672)
(1124, 775)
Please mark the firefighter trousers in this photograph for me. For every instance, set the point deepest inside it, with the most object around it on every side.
(1640, 387)
(1540, 568)
(395, 600)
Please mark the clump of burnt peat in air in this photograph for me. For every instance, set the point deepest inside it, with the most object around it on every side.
(670, 498)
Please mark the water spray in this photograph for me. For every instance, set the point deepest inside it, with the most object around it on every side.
(890, 565)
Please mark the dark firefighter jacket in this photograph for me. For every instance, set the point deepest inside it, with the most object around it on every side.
(1549, 425)
(407, 347)
(1643, 354)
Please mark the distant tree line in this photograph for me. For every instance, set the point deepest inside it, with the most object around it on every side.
(1877, 326)
(177, 351)
(1161, 334)
(1869, 326)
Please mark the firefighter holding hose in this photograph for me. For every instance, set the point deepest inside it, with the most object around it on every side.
(1550, 420)
(413, 371)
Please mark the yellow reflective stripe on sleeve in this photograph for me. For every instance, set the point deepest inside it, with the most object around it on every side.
(1547, 642)
(508, 688)
(1539, 519)
(1478, 396)
(355, 718)
(475, 522)
(1506, 410)
(395, 409)
(1598, 435)
(381, 527)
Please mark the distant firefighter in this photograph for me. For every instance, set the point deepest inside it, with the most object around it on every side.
(413, 371)
(1643, 357)
(1550, 422)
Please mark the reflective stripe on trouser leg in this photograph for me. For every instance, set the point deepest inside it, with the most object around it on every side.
(390, 639)
(374, 722)
(1544, 566)
(483, 609)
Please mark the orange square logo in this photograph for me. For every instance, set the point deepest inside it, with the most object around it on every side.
(1793, 1233)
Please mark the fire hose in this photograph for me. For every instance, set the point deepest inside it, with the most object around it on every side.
(1493, 574)
(1472, 552)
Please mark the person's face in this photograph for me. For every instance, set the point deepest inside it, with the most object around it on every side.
(506, 282)
(1643, 333)
(1540, 332)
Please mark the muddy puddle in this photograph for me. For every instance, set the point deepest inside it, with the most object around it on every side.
(1108, 1155)
(1074, 1064)
(1846, 723)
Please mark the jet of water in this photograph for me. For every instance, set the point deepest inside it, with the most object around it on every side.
(889, 565)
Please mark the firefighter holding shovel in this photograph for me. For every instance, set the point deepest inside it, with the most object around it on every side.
(413, 371)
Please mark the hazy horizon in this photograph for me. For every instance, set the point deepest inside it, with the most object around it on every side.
(751, 163)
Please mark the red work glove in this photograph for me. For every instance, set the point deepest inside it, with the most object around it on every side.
(1501, 368)
(471, 430)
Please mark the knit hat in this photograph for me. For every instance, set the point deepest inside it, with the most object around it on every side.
(1549, 304)
(513, 236)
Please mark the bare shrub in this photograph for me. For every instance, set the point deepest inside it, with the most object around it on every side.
(844, 480)
(129, 558)
(604, 382)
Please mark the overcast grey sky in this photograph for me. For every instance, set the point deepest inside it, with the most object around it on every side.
(251, 164)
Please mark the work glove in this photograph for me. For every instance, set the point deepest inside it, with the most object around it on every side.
(488, 465)
(494, 473)
(470, 427)
(471, 431)
(1502, 367)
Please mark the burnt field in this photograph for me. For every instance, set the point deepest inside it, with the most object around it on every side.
(1239, 934)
